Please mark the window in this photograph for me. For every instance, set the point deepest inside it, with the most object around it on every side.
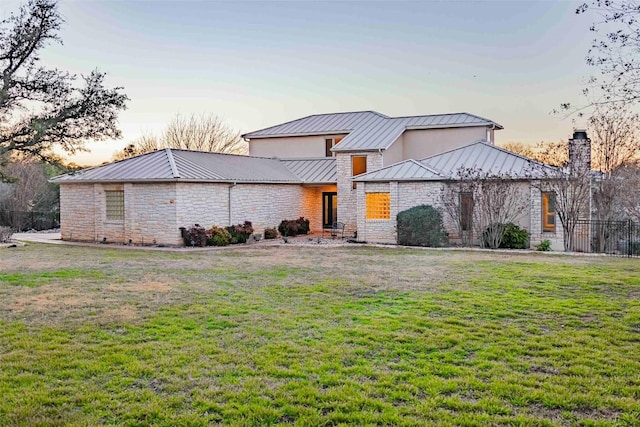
(358, 166)
(466, 211)
(328, 146)
(114, 205)
(378, 205)
(329, 143)
(549, 212)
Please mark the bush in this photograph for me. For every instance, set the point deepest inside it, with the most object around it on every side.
(635, 248)
(507, 236)
(218, 236)
(303, 225)
(5, 234)
(240, 233)
(194, 235)
(544, 246)
(421, 226)
(515, 237)
(270, 233)
(293, 227)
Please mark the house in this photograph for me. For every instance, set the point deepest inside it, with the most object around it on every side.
(359, 168)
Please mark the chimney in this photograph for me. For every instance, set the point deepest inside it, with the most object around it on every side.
(579, 153)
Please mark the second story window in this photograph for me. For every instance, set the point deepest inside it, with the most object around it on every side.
(329, 143)
(328, 146)
(358, 166)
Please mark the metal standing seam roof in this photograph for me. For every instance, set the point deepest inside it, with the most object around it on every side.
(367, 130)
(488, 158)
(150, 166)
(317, 171)
(406, 170)
(194, 166)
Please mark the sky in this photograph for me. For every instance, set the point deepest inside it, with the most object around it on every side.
(262, 63)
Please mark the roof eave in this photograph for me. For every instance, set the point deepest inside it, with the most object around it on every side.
(454, 125)
(175, 180)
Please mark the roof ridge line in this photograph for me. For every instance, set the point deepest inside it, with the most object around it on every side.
(197, 166)
(429, 168)
(479, 141)
(172, 163)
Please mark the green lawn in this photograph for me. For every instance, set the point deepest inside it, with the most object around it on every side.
(317, 336)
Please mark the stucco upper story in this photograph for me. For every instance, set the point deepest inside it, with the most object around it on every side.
(396, 138)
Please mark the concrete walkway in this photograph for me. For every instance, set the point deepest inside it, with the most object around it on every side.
(39, 238)
(55, 239)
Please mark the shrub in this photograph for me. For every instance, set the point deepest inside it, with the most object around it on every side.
(421, 226)
(515, 237)
(270, 233)
(194, 235)
(303, 225)
(218, 236)
(240, 233)
(544, 246)
(293, 227)
(508, 236)
(5, 234)
(635, 248)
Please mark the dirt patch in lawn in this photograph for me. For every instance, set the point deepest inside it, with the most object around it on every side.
(48, 298)
(148, 284)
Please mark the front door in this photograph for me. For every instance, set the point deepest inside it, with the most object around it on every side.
(329, 209)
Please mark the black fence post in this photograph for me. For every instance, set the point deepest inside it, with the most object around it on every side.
(630, 239)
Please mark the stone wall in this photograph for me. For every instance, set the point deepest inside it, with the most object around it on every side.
(77, 212)
(155, 211)
(347, 196)
(206, 204)
(265, 205)
(537, 235)
(150, 213)
(312, 204)
(403, 195)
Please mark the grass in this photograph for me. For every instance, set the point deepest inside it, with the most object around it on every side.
(316, 336)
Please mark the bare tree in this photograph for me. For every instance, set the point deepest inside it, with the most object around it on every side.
(206, 132)
(615, 50)
(628, 200)
(495, 201)
(29, 190)
(571, 185)
(614, 144)
(144, 144)
(614, 137)
(457, 200)
(551, 153)
(202, 133)
(520, 148)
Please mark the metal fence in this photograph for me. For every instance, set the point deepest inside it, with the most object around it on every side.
(23, 221)
(620, 238)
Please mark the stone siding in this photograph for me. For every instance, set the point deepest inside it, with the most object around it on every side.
(537, 235)
(403, 195)
(206, 204)
(347, 196)
(265, 205)
(312, 204)
(77, 212)
(150, 214)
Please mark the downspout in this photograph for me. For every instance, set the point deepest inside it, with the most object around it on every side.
(230, 187)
